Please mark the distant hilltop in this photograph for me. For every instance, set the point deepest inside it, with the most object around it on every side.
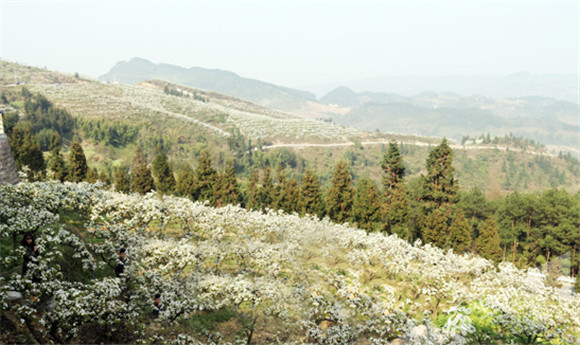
(265, 94)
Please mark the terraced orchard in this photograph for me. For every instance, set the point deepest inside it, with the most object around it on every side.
(228, 275)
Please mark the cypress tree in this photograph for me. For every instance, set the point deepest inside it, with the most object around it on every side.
(227, 189)
(77, 163)
(311, 199)
(266, 192)
(291, 199)
(487, 244)
(141, 179)
(25, 150)
(435, 230)
(185, 182)
(367, 204)
(397, 211)
(205, 178)
(440, 184)
(92, 175)
(253, 197)
(393, 167)
(122, 183)
(340, 195)
(57, 165)
(279, 195)
(459, 233)
(162, 173)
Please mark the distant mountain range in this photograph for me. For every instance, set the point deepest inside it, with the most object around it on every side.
(269, 95)
(543, 119)
(537, 107)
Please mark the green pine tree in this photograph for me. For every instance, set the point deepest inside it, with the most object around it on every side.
(162, 173)
(435, 230)
(367, 205)
(252, 191)
(291, 199)
(488, 242)
(396, 211)
(279, 195)
(57, 165)
(205, 177)
(393, 167)
(185, 182)
(92, 175)
(141, 179)
(227, 189)
(122, 183)
(340, 195)
(440, 184)
(459, 233)
(104, 178)
(25, 150)
(311, 198)
(77, 163)
(266, 192)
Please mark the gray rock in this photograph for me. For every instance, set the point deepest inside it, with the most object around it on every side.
(13, 296)
(419, 331)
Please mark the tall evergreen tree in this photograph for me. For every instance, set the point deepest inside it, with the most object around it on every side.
(311, 199)
(279, 195)
(122, 183)
(435, 230)
(162, 173)
(487, 244)
(253, 192)
(291, 199)
(77, 163)
(397, 211)
(104, 177)
(266, 192)
(205, 178)
(57, 165)
(92, 175)
(440, 184)
(25, 150)
(393, 167)
(185, 181)
(340, 195)
(227, 189)
(367, 205)
(395, 204)
(141, 179)
(459, 233)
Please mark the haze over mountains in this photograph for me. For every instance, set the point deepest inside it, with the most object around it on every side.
(537, 107)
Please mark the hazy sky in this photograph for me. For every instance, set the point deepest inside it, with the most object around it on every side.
(295, 43)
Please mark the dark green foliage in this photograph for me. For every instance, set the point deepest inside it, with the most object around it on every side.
(396, 211)
(290, 202)
(266, 192)
(48, 139)
(141, 179)
(393, 167)
(104, 177)
(162, 173)
(440, 185)
(115, 133)
(122, 183)
(487, 244)
(25, 150)
(367, 205)
(92, 175)
(577, 285)
(42, 114)
(57, 165)
(252, 191)
(436, 228)
(226, 189)
(184, 183)
(311, 198)
(340, 195)
(459, 233)
(205, 178)
(77, 163)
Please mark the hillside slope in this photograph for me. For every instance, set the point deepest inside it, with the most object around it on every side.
(228, 274)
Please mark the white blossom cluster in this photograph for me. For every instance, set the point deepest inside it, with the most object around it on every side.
(321, 282)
